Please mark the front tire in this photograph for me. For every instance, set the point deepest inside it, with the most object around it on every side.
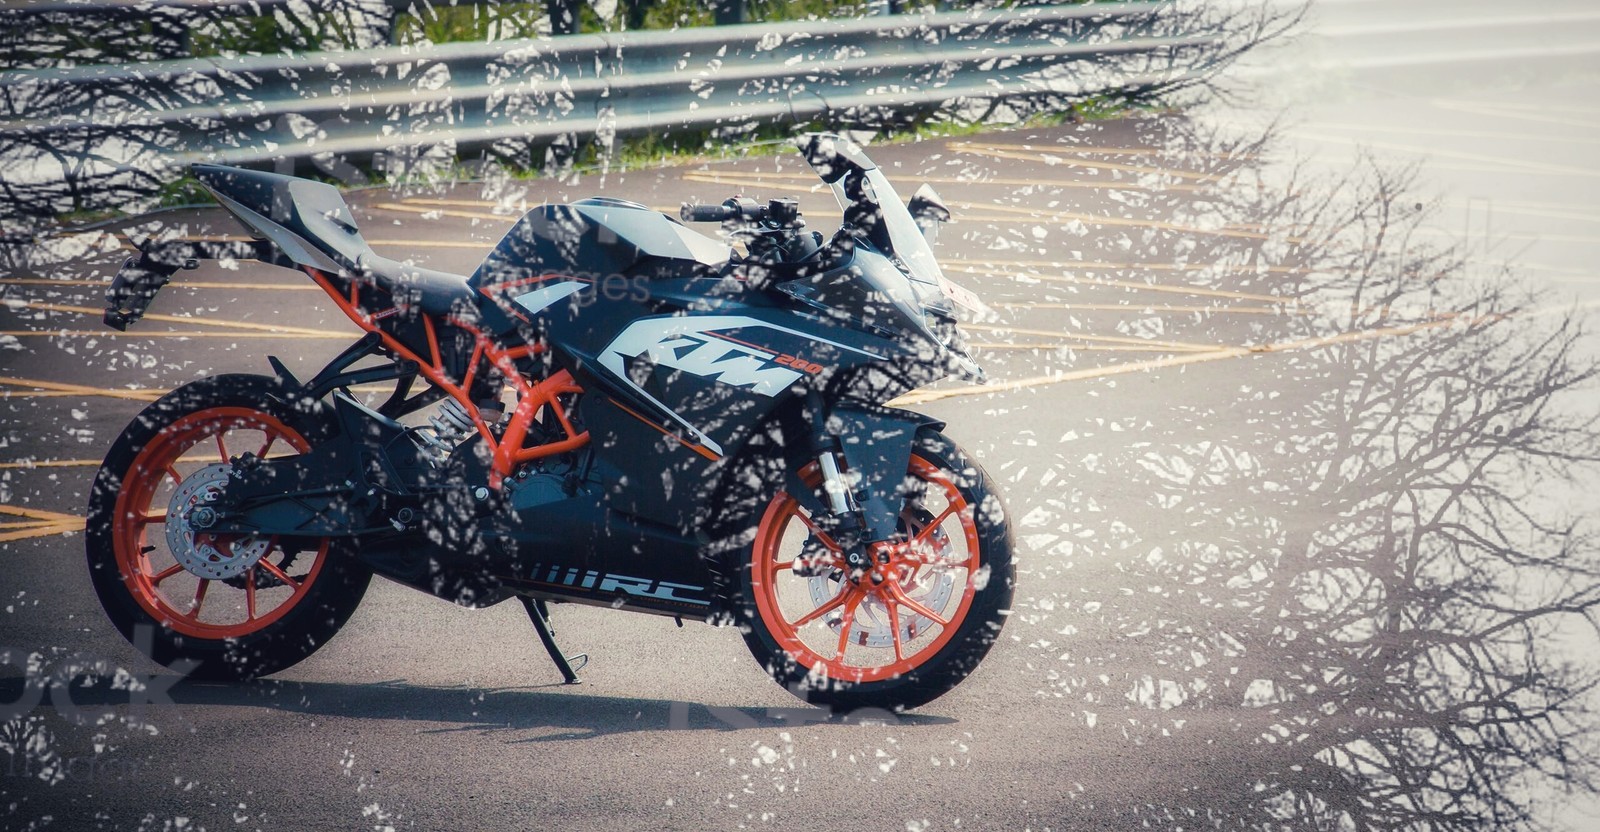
(912, 629)
(216, 606)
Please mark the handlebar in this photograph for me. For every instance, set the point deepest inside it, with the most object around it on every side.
(782, 211)
(707, 213)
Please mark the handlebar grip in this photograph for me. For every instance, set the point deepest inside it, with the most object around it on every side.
(707, 213)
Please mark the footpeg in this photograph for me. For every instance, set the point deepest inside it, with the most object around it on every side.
(568, 665)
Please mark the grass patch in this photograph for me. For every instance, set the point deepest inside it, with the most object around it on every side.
(656, 150)
(653, 150)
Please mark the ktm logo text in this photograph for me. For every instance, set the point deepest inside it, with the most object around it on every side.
(687, 344)
(729, 363)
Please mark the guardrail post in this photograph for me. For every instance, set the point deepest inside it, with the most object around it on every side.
(730, 12)
(172, 33)
(563, 16)
(633, 12)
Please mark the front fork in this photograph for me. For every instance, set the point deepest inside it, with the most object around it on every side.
(841, 499)
(826, 449)
(861, 497)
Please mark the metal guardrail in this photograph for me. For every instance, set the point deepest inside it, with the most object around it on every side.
(253, 109)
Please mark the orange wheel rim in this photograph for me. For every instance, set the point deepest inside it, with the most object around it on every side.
(898, 615)
(273, 583)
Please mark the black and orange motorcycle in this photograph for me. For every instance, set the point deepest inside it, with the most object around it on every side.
(617, 410)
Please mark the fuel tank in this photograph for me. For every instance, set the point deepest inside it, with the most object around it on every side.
(555, 251)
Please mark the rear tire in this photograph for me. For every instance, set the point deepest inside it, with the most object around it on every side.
(954, 561)
(214, 606)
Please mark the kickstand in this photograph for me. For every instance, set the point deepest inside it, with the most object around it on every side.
(568, 665)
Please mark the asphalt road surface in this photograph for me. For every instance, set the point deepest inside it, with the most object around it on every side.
(1160, 336)
(423, 713)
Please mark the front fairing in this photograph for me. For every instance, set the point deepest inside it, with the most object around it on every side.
(891, 282)
(864, 289)
(867, 292)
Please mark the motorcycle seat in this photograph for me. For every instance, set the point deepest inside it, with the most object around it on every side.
(433, 292)
(310, 222)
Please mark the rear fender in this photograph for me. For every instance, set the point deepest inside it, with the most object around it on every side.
(140, 278)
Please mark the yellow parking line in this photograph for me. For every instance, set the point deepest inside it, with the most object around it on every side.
(30, 524)
(50, 281)
(236, 238)
(42, 523)
(444, 212)
(57, 389)
(723, 179)
(37, 514)
(1122, 284)
(1496, 161)
(72, 235)
(1053, 159)
(1036, 217)
(522, 204)
(51, 463)
(746, 178)
(924, 396)
(1530, 236)
(1134, 307)
(112, 333)
(45, 530)
(1316, 127)
(1545, 210)
(63, 387)
(490, 204)
(1111, 339)
(177, 284)
(1045, 215)
(986, 345)
(37, 394)
(201, 459)
(273, 328)
(1104, 151)
(1501, 110)
(1094, 264)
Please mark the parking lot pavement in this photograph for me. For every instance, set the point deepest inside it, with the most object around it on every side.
(1158, 343)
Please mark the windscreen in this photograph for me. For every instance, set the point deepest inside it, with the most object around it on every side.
(858, 183)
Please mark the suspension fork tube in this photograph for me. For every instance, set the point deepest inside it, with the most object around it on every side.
(825, 447)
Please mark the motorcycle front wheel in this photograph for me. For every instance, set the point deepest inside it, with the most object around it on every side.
(908, 629)
(219, 606)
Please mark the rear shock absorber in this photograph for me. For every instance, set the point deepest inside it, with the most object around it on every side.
(452, 420)
(450, 425)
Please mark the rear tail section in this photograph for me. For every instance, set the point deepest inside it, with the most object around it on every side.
(308, 221)
(295, 223)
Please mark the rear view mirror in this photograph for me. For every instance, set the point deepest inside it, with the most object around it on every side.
(928, 210)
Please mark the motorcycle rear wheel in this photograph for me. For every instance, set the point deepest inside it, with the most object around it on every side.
(909, 630)
(217, 606)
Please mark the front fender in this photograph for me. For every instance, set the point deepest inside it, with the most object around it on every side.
(877, 449)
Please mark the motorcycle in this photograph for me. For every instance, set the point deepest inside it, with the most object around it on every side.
(617, 410)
